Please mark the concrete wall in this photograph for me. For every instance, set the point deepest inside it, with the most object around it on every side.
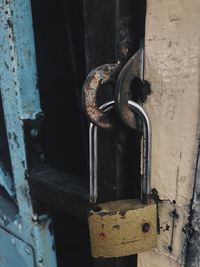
(172, 57)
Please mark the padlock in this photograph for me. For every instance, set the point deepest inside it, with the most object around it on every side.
(123, 227)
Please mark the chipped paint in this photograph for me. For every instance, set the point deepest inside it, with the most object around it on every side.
(6, 181)
(20, 97)
(172, 53)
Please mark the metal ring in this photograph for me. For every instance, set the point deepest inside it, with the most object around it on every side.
(92, 84)
(133, 69)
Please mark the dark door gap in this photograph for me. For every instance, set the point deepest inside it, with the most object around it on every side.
(71, 38)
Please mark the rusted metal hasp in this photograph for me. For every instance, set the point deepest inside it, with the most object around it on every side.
(94, 81)
(132, 70)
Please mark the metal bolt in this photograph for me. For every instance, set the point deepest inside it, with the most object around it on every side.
(170, 248)
(34, 132)
(28, 251)
(96, 208)
(42, 157)
(174, 214)
(145, 227)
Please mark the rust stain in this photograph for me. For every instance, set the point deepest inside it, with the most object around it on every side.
(102, 236)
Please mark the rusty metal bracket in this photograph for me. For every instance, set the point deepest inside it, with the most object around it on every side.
(106, 73)
(132, 70)
(94, 81)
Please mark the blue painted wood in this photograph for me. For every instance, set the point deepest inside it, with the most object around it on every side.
(18, 87)
(14, 252)
(9, 216)
(6, 181)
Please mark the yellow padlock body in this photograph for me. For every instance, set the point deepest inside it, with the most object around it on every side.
(122, 228)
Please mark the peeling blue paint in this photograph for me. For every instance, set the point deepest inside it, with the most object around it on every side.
(20, 96)
(6, 181)
(20, 55)
(22, 253)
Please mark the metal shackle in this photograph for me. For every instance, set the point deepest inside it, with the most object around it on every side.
(146, 153)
